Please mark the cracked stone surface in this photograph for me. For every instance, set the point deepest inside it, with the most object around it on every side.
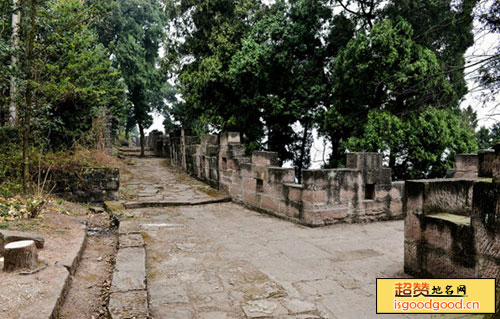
(159, 183)
(225, 261)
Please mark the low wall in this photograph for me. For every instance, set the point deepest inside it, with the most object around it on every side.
(88, 185)
(159, 143)
(452, 226)
(362, 192)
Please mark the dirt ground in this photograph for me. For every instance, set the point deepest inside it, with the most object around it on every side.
(88, 294)
(61, 223)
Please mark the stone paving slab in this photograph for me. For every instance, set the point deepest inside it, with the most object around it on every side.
(130, 240)
(130, 270)
(225, 261)
(128, 305)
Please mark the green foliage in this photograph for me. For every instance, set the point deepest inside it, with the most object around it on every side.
(133, 32)
(383, 70)
(211, 33)
(488, 137)
(490, 70)
(76, 82)
(421, 146)
(445, 28)
(5, 58)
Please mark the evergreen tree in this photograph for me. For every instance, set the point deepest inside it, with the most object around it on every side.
(133, 32)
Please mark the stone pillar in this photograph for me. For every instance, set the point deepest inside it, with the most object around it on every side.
(495, 170)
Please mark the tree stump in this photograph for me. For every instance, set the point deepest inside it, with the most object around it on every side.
(20, 255)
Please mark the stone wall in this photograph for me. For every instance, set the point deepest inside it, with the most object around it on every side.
(159, 143)
(361, 192)
(87, 185)
(452, 226)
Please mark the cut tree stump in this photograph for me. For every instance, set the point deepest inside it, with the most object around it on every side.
(20, 255)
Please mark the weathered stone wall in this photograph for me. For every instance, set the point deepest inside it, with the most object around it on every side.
(362, 192)
(452, 226)
(88, 185)
(159, 143)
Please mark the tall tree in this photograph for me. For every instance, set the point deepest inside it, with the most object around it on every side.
(133, 32)
(280, 74)
(209, 34)
(444, 27)
(5, 59)
(490, 70)
(382, 70)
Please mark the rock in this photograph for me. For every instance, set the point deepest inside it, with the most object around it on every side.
(11, 236)
(96, 210)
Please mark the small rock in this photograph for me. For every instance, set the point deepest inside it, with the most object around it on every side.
(99, 259)
(96, 210)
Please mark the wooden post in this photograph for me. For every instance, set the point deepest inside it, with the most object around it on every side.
(20, 255)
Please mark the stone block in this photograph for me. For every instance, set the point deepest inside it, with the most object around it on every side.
(438, 235)
(443, 265)
(130, 270)
(131, 240)
(212, 150)
(249, 184)
(413, 228)
(314, 196)
(486, 160)
(325, 216)
(413, 261)
(452, 196)
(467, 162)
(262, 158)
(294, 192)
(364, 161)
(270, 203)
(396, 209)
(414, 193)
(260, 172)
(251, 198)
(209, 139)
(229, 137)
(130, 304)
(246, 170)
(281, 175)
(488, 268)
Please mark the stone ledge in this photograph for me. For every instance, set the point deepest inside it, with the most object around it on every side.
(130, 270)
(135, 205)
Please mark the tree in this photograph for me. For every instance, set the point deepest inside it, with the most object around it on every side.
(77, 83)
(64, 76)
(279, 74)
(490, 70)
(210, 33)
(488, 137)
(445, 28)
(133, 32)
(424, 144)
(383, 70)
(5, 59)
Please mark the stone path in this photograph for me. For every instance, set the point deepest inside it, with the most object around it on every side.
(148, 180)
(222, 261)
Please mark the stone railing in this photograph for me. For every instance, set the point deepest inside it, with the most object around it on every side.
(452, 226)
(361, 192)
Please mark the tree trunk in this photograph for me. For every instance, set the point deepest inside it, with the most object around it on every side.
(392, 160)
(28, 96)
(13, 107)
(20, 255)
(300, 165)
(141, 131)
